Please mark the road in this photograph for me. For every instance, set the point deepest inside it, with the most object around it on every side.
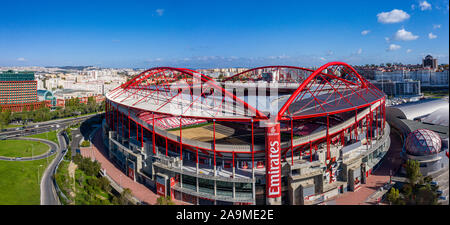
(53, 149)
(47, 186)
(43, 126)
(48, 192)
(76, 138)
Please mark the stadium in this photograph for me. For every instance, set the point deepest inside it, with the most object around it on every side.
(269, 135)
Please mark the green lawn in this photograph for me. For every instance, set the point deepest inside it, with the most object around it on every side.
(19, 184)
(22, 148)
(12, 126)
(51, 135)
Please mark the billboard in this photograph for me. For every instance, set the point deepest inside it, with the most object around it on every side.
(130, 166)
(160, 185)
(273, 161)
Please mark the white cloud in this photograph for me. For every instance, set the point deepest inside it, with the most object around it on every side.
(365, 32)
(413, 6)
(408, 50)
(387, 39)
(432, 36)
(436, 26)
(403, 35)
(160, 12)
(359, 51)
(425, 6)
(21, 59)
(393, 47)
(394, 16)
(323, 59)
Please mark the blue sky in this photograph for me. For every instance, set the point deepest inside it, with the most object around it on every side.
(202, 34)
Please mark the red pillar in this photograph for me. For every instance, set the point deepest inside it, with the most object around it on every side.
(137, 131)
(129, 125)
(181, 141)
(356, 124)
(232, 154)
(106, 112)
(214, 140)
(123, 130)
(292, 141)
(310, 151)
(384, 112)
(167, 146)
(253, 146)
(153, 131)
(142, 136)
(328, 137)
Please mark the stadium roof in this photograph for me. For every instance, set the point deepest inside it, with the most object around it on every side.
(333, 88)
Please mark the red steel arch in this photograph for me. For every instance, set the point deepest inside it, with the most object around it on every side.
(337, 79)
(163, 77)
(358, 82)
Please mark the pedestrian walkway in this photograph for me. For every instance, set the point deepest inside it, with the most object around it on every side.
(391, 162)
(138, 190)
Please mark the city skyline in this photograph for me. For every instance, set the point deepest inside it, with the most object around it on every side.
(201, 35)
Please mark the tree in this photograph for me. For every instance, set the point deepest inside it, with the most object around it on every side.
(393, 196)
(123, 198)
(413, 172)
(164, 200)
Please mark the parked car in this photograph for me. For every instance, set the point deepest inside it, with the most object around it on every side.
(443, 197)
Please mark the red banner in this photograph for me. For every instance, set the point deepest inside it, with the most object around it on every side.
(273, 161)
(131, 173)
(160, 189)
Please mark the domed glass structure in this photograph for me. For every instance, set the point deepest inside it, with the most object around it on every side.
(423, 142)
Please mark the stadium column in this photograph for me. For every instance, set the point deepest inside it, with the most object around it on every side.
(153, 131)
(123, 130)
(273, 163)
(142, 136)
(376, 120)
(232, 155)
(214, 145)
(106, 112)
(253, 154)
(196, 160)
(234, 184)
(310, 151)
(292, 141)
(166, 145)
(370, 121)
(137, 130)
(328, 136)
(129, 125)
(384, 112)
(181, 143)
(356, 124)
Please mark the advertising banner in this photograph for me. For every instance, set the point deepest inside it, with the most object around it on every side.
(273, 161)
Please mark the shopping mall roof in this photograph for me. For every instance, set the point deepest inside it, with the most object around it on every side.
(412, 125)
(438, 117)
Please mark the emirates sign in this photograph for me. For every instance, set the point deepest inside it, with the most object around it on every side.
(273, 161)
